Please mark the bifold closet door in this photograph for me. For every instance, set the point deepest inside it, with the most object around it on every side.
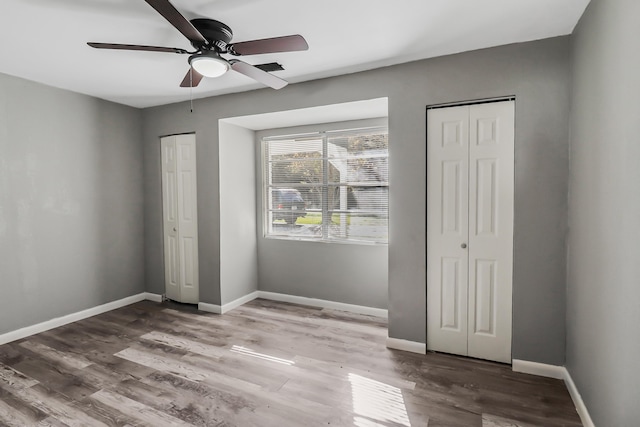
(470, 185)
(180, 218)
(447, 229)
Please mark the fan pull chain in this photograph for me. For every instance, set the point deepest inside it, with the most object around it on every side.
(191, 87)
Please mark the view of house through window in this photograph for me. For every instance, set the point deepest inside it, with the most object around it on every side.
(328, 186)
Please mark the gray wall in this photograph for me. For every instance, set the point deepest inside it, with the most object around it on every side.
(603, 314)
(71, 212)
(348, 273)
(238, 236)
(537, 73)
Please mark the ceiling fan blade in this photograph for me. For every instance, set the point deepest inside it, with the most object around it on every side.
(276, 44)
(136, 47)
(257, 74)
(175, 18)
(192, 79)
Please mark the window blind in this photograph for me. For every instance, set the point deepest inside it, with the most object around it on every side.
(331, 186)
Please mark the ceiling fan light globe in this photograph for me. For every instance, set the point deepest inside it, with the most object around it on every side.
(209, 66)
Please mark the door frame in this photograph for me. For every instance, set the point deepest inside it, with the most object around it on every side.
(194, 296)
(470, 102)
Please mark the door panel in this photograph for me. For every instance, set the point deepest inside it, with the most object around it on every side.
(186, 259)
(451, 190)
(450, 293)
(172, 268)
(491, 159)
(185, 202)
(187, 216)
(486, 197)
(486, 130)
(170, 218)
(485, 294)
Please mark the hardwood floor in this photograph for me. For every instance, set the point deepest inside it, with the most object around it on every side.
(264, 364)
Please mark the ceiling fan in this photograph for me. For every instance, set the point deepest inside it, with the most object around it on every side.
(211, 39)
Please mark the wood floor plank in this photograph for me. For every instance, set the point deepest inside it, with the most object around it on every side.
(137, 410)
(10, 354)
(105, 413)
(195, 320)
(184, 344)
(489, 420)
(343, 370)
(119, 366)
(237, 373)
(188, 368)
(12, 416)
(15, 379)
(224, 406)
(328, 394)
(57, 405)
(54, 378)
(170, 402)
(163, 364)
(64, 359)
(51, 422)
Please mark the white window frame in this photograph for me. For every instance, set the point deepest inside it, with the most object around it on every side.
(311, 130)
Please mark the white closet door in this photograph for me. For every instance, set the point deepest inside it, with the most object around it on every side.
(448, 229)
(470, 184)
(491, 179)
(179, 197)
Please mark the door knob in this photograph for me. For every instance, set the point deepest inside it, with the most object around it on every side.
(463, 246)
(174, 229)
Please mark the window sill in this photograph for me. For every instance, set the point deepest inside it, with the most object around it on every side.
(319, 240)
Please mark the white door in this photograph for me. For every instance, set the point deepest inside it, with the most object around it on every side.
(447, 229)
(470, 184)
(180, 219)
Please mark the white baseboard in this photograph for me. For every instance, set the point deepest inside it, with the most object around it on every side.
(153, 297)
(405, 345)
(577, 400)
(539, 369)
(70, 318)
(314, 302)
(237, 303)
(209, 308)
(561, 373)
(217, 309)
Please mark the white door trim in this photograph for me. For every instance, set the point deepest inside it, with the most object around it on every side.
(180, 217)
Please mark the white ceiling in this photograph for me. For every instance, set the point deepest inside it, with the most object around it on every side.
(45, 40)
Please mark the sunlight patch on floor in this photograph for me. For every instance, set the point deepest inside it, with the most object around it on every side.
(376, 403)
(249, 352)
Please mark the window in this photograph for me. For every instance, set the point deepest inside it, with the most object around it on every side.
(330, 186)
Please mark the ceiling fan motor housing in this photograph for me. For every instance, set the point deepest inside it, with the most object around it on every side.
(217, 34)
